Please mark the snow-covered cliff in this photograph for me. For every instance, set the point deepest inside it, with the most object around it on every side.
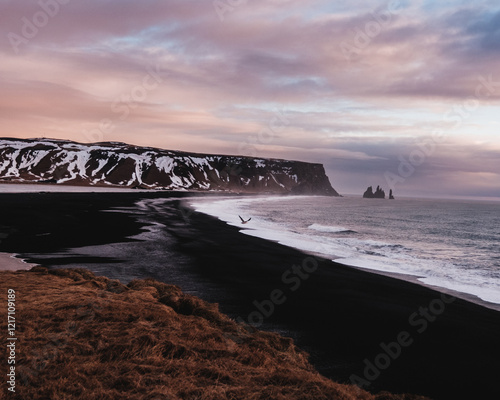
(120, 164)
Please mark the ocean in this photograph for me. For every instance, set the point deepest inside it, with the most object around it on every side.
(450, 244)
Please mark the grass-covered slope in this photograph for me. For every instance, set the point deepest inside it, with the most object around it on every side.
(88, 337)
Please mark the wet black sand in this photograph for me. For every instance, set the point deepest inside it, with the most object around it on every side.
(448, 348)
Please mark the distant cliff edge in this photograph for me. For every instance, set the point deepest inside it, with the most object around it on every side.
(119, 164)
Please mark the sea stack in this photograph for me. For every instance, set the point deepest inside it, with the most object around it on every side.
(391, 197)
(378, 194)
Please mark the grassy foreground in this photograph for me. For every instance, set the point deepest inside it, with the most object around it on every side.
(88, 337)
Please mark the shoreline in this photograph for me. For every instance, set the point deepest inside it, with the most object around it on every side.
(414, 278)
(190, 195)
(11, 262)
(339, 314)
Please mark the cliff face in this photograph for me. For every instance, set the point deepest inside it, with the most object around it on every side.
(120, 164)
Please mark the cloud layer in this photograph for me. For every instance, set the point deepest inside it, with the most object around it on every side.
(357, 87)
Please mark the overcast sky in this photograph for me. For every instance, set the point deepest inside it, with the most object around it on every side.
(399, 93)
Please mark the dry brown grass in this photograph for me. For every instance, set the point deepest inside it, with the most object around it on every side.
(88, 337)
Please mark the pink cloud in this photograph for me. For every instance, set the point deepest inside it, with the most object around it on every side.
(222, 80)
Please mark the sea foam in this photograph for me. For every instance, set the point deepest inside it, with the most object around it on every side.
(347, 246)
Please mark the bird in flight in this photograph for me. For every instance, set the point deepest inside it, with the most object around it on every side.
(243, 221)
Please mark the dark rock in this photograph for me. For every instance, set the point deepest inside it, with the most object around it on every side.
(368, 194)
(378, 194)
(391, 197)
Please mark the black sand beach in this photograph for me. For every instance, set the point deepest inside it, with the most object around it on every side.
(382, 332)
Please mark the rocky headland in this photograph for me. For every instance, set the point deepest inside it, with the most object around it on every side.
(113, 164)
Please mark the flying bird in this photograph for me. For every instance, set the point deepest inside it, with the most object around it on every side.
(243, 221)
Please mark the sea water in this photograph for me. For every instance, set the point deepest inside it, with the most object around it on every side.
(452, 244)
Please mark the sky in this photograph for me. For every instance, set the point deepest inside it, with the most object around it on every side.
(402, 94)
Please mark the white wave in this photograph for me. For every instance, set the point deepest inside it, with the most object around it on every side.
(329, 229)
(359, 252)
(478, 287)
